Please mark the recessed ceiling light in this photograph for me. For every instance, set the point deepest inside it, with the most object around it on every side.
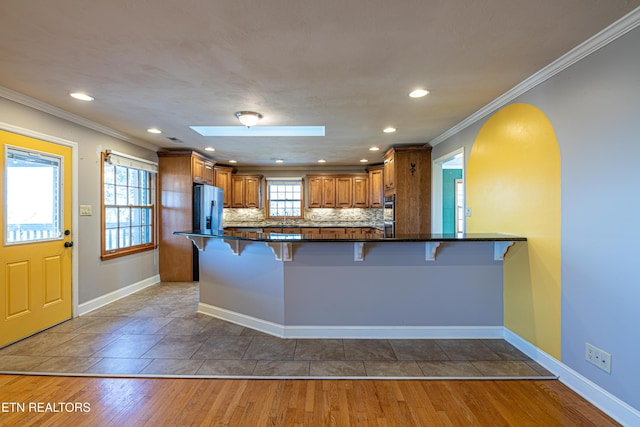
(209, 149)
(82, 96)
(233, 161)
(154, 130)
(389, 130)
(364, 161)
(374, 149)
(322, 161)
(419, 93)
(279, 161)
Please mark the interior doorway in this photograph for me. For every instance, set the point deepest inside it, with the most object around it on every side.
(448, 201)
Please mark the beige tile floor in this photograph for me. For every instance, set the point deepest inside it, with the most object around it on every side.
(157, 332)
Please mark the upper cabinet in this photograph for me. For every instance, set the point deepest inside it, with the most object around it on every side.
(338, 191)
(321, 191)
(201, 169)
(389, 173)
(376, 189)
(222, 179)
(361, 191)
(245, 191)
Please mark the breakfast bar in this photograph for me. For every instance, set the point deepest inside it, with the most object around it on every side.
(354, 285)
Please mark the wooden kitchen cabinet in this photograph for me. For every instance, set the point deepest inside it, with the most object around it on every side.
(344, 192)
(376, 186)
(245, 191)
(222, 179)
(177, 172)
(389, 173)
(321, 191)
(201, 169)
(410, 181)
(361, 191)
(337, 191)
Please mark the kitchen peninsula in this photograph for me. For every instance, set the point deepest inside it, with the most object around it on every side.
(361, 285)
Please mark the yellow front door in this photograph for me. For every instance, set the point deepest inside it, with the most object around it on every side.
(35, 236)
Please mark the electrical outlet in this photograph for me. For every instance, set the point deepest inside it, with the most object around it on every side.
(467, 211)
(598, 357)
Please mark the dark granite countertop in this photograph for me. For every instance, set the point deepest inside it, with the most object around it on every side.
(352, 237)
(305, 224)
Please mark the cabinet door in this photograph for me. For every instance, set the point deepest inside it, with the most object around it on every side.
(314, 192)
(328, 192)
(344, 192)
(208, 173)
(389, 174)
(252, 192)
(237, 192)
(361, 192)
(222, 179)
(376, 193)
(197, 170)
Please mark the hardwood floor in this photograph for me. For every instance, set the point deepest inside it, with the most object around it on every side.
(100, 402)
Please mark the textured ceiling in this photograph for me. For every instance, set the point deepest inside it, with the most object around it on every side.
(344, 64)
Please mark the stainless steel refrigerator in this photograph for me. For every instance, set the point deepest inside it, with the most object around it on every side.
(207, 209)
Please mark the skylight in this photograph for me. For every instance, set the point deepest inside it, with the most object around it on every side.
(259, 130)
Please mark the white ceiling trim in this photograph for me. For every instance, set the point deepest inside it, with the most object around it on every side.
(603, 38)
(28, 101)
(606, 36)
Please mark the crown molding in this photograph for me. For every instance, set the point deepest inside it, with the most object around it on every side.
(603, 38)
(36, 104)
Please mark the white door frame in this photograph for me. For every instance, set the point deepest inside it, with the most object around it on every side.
(74, 200)
(436, 188)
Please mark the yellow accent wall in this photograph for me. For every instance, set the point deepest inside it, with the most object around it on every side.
(513, 186)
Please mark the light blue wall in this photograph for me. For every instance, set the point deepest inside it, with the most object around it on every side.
(594, 107)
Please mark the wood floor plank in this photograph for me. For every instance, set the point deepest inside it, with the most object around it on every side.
(242, 402)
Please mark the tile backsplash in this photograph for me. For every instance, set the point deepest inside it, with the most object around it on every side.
(356, 215)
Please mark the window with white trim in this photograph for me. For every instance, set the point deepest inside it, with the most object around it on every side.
(128, 205)
(285, 198)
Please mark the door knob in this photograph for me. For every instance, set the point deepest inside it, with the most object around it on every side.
(68, 244)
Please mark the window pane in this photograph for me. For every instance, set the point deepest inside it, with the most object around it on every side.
(145, 216)
(111, 239)
(146, 234)
(125, 238)
(121, 195)
(111, 217)
(145, 199)
(134, 196)
(109, 174)
(135, 216)
(37, 216)
(144, 179)
(135, 236)
(133, 177)
(121, 175)
(124, 217)
(109, 194)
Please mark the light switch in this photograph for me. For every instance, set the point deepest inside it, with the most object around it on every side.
(85, 210)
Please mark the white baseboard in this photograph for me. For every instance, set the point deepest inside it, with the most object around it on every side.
(103, 300)
(599, 397)
(379, 332)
